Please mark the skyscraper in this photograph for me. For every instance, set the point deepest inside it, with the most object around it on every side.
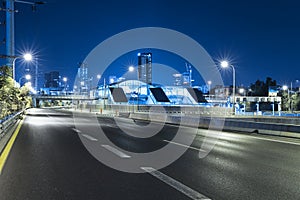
(82, 80)
(52, 80)
(145, 67)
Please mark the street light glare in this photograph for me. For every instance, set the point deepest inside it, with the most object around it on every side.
(224, 64)
(65, 79)
(27, 76)
(285, 87)
(27, 57)
(131, 68)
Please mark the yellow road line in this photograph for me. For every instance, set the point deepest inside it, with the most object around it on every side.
(5, 153)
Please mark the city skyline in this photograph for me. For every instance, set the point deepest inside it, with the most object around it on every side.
(261, 40)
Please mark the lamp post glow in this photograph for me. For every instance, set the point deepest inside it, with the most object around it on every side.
(27, 77)
(285, 87)
(131, 68)
(225, 64)
(26, 57)
(242, 91)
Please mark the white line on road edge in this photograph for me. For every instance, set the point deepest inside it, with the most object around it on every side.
(183, 145)
(115, 151)
(274, 140)
(76, 130)
(89, 137)
(175, 184)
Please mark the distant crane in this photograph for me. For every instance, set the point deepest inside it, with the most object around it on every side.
(189, 71)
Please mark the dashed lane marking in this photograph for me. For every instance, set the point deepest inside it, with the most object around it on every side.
(183, 145)
(175, 184)
(116, 151)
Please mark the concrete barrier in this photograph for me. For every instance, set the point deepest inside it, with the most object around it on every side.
(268, 127)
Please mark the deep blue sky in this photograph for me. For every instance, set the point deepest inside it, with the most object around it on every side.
(261, 38)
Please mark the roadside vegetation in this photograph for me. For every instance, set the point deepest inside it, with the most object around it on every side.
(290, 100)
(12, 98)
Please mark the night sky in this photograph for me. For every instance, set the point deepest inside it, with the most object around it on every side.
(260, 38)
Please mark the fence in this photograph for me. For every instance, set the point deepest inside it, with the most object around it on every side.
(6, 123)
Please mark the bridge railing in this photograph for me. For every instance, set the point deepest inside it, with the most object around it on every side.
(5, 124)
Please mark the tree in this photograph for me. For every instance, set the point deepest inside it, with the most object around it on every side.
(12, 98)
(261, 88)
(285, 101)
(295, 102)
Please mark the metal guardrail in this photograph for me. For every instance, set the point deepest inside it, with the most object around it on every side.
(7, 123)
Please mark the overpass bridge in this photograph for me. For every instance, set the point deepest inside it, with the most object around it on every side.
(62, 97)
(37, 98)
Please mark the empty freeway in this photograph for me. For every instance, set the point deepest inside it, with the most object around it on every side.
(49, 160)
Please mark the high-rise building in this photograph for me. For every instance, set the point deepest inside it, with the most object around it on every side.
(83, 82)
(83, 72)
(145, 67)
(177, 79)
(186, 81)
(52, 80)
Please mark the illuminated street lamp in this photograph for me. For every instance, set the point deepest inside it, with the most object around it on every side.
(285, 87)
(209, 84)
(26, 57)
(27, 77)
(65, 79)
(225, 64)
(131, 68)
(242, 91)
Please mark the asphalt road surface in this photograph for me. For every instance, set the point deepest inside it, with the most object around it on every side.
(50, 161)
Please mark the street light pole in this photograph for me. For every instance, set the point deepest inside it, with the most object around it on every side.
(65, 79)
(26, 57)
(36, 74)
(10, 24)
(10, 32)
(132, 69)
(225, 64)
(209, 84)
(13, 68)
